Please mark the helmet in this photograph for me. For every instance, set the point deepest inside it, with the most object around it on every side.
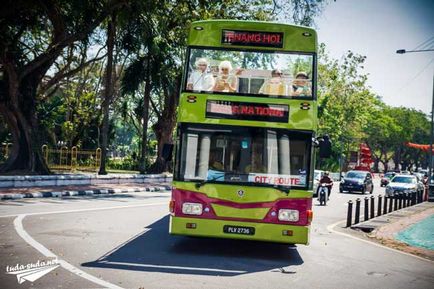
(326, 173)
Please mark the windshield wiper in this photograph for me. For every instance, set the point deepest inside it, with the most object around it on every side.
(203, 182)
(283, 189)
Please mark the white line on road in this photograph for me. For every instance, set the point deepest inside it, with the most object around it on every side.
(331, 229)
(38, 246)
(85, 210)
(174, 267)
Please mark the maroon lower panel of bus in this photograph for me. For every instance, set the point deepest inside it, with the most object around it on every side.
(183, 196)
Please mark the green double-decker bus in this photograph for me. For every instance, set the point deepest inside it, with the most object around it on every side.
(246, 124)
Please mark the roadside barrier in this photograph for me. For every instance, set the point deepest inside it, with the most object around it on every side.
(349, 213)
(385, 205)
(357, 215)
(72, 159)
(4, 151)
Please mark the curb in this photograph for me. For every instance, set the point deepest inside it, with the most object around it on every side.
(60, 194)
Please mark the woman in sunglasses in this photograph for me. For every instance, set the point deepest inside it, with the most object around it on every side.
(225, 81)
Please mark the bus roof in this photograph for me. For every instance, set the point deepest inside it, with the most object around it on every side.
(208, 33)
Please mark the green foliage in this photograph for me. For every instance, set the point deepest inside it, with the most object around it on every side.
(345, 101)
(127, 163)
(351, 114)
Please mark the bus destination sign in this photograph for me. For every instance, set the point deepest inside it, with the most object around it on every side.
(247, 111)
(252, 38)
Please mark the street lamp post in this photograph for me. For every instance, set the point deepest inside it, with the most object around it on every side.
(430, 166)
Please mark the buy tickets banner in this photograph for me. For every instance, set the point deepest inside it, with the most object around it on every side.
(275, 179)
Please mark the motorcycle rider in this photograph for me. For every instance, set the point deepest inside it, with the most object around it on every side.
(328, 181)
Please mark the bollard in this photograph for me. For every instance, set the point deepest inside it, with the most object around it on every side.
(380, 199)
(372, 207)
(400, 201)
(420, 194)
(395, 202)
(349, 213)
(390, 204)
(357, 215)
(413, 198)
(409, 200)
(385, 205)
(366, 215)
(404, 202)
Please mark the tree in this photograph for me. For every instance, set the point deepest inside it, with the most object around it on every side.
(381, 134)
(108, 90)
(32, 36)
(414, 128)
(345, 101)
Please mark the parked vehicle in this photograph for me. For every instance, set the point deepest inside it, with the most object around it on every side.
(385, 180)
(419, 176)
(357, 181)
(403, 184)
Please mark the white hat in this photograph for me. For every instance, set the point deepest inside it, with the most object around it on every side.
(201, 61)
(225, 64)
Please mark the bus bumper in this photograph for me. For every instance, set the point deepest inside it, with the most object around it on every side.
(262, 231)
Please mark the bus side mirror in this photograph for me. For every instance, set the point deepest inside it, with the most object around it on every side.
(167, 152)
(325, 147)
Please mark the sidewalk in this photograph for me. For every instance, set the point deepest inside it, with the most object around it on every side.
(88, 179)
(79, 190)
(383, 229)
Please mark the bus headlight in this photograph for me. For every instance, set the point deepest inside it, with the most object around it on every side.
(192, 208)
(288, 215)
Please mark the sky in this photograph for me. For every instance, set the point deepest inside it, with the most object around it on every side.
(376, 29)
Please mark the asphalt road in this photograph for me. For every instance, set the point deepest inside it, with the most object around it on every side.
(123, 241)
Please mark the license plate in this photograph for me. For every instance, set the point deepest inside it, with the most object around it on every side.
(239, 230)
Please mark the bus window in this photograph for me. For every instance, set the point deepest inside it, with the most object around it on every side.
(266, 73)
(245, 154)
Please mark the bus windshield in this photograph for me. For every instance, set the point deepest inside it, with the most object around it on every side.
(244, 155)
(271, 74)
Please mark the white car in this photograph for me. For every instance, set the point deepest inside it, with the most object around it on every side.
(403, 184)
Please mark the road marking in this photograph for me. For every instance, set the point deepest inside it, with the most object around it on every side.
(86, 210)
(18, 224)
(173, 267)
(331, 227)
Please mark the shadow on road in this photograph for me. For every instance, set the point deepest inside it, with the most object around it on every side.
(156, 251)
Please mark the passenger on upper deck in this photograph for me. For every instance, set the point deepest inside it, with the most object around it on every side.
(301, 85)
(225, 81)
(274, 85)
(200, 80)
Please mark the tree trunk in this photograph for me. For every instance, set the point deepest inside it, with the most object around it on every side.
(18, 108)
(397, 158)
(165, 126)
(145, 117)
(108, 93)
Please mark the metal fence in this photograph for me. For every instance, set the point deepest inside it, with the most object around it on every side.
(4, 151)
(72, 159)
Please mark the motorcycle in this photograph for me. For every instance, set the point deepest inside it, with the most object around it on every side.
(323, 193)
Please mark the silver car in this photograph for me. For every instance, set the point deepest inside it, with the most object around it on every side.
(403, 184)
